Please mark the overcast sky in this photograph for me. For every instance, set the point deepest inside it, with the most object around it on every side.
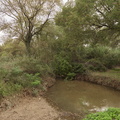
(65, 1)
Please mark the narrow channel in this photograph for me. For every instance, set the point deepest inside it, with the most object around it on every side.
(77, 96)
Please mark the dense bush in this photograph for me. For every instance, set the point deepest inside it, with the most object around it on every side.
(15, 77)
(62, 66)
(8, 88)
(29, 80)
(112, 58)
(95, 65)
(19, 82)
(34, 65)
(79, 68)
(110, 114)
(67, 69)
(107, 56)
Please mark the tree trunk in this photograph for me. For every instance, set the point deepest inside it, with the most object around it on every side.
(28, 43)
(28, 47)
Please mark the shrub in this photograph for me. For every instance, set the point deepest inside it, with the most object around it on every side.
(108, 56)
(114, 113)
(79, 68)
(96, 52)
(11, 75)
(95, 65)
(3, 73)
(30, 65)
(8, 89)
(34, 65)
(15, 71)
(67, 69)
(70, 76)
(15, 84)
(62, 67)
(110, 114)
(29, 80)
(112, 58)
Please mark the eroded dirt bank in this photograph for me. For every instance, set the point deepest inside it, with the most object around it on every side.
(101, 80)
(30, 108)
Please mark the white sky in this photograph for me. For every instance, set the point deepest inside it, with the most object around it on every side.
(65, 1)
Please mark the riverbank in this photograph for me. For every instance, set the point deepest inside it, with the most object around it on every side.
(111, 78)
(29, 108)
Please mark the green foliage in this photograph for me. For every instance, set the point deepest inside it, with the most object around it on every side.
(98, 116)
(15, 71)
(3, 73)
(10, 73)
(106, 56)
(31, 80)
(67, 69)
(112, 58)
(70, 76)
(95, 65)
(82, 22)
(110, 114)
(114, 113)
(30, 65)
(34, 65)
(16, 84)
(13, 78)
(79, 68)
(8, 89)
(97, 52)
(10, 49)
(36, 83)
(62, 66)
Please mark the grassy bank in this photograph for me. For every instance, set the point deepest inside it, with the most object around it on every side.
(110, 78)
(113, 74)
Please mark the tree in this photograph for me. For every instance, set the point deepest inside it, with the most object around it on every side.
(91, 21)
(103, 16)
(28, 17)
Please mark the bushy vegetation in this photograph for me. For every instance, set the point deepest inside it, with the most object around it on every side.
(15, 79)
(106, 56)
(18, 72)
(67, 69)
(21, 72)
(95, 65)
(110, 114)
(75, 42)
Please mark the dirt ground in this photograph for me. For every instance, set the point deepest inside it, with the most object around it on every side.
(30, 109)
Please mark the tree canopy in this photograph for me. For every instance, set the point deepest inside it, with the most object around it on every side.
(28, 17)
(91, 21)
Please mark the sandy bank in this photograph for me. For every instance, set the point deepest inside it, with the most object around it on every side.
(30, 109)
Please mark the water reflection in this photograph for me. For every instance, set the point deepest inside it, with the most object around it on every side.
(75, 96)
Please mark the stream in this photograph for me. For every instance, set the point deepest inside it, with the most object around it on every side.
(77, 96)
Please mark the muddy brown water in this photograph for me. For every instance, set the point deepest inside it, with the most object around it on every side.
(77, 96)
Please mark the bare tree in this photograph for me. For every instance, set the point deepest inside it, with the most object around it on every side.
(28, 17)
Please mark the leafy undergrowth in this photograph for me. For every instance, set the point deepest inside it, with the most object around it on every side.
(19, 74)
(114, 73)
(20, 82)
(110, 114)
